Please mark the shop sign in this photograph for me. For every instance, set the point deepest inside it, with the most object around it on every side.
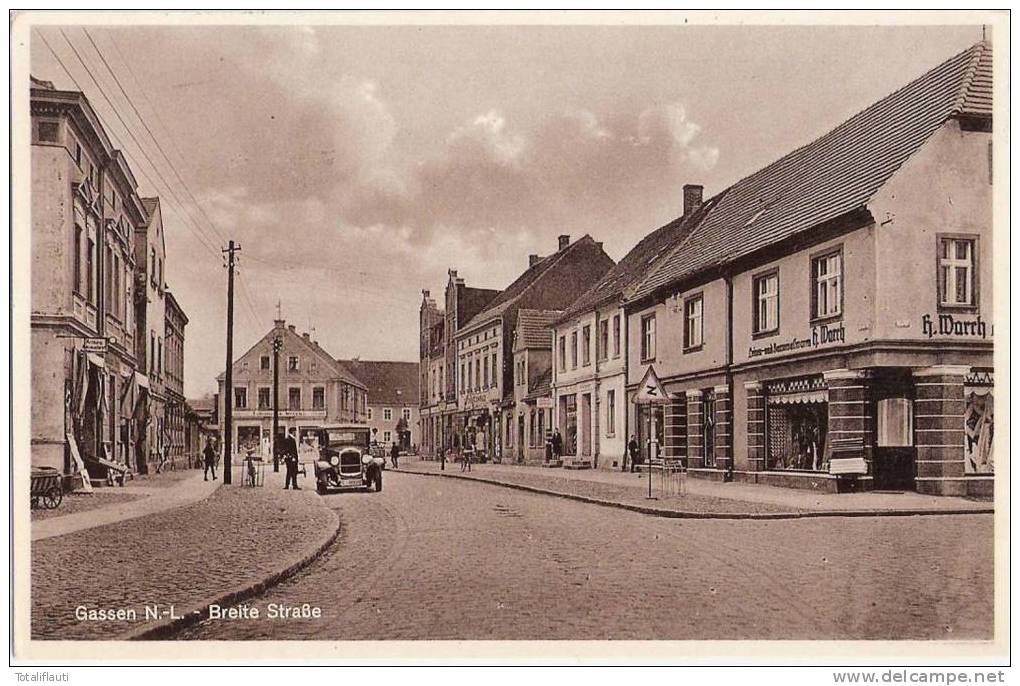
(950, 325)
(544, 403)
(95, 345)
(821, 335)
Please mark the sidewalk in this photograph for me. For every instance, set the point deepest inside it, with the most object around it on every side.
(219, 549)
(704, 498)
(145, 499)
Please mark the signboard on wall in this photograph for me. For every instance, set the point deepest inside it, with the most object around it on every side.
(95, 345)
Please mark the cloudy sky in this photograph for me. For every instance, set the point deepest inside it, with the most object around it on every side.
(355, 165)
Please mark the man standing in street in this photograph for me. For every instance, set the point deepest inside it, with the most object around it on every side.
(634, 450)
(557, 445)
(291, 459)
(394, 453)
(210, 459)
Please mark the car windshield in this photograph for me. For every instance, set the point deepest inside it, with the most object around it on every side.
(344, 436)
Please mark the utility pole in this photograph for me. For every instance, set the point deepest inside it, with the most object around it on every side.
(228, 386)
(277, 345)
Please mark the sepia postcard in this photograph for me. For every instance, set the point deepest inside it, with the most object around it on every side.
(511, 336)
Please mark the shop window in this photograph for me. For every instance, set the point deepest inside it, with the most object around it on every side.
(957, 272)
(648, 338)
(827, 294)
(895, 423)
(694, 323)
(318, 398)
(586, 345)
(240, 398)
(766, 303)
(294, 398)
(796, 432)
(264, 398)
(978, 420)
(708, 426)
(569, 408)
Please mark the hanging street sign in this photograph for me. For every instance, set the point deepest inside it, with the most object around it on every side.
(94, 345)
(651, 391)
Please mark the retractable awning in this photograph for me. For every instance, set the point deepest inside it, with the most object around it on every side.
(96, 360)
(142, 380)
(802, 398)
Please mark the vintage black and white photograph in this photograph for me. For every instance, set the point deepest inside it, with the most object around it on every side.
(515, 327)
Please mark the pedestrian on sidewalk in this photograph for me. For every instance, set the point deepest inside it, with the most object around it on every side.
(557, 445)
(210, 460)
(394, 454)
(291, 461)
(635, 451)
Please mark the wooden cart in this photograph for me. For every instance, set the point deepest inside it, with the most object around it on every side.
(47, 488)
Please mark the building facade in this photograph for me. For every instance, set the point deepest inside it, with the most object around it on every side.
(85, 209)
(532, 372)
(780, 326)
(432, 376)
(176, 406)
(484, 346)
(393, 397)
(589, 385)
(314, 389)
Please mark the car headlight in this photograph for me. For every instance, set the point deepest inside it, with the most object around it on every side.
(365, 459)
(335, 460)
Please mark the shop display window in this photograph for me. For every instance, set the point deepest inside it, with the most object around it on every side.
(797, 435)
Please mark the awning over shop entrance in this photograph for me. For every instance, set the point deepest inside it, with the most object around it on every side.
(802, 398)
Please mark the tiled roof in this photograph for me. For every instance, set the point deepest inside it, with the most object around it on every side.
(832, 176)
(508, 296)
(387, 383)
(542, 387)
(629, 271)
(533, 326)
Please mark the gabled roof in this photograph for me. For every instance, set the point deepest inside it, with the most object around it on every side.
(388, 383)
(533, 328)
(834, 175)
(641, 259)
(512, 293)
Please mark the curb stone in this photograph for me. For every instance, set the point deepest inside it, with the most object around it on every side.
(686, 514)
(199, 612)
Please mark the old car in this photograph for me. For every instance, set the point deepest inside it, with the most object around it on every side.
(345, 461)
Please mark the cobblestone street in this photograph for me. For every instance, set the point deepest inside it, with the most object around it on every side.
(446, 559)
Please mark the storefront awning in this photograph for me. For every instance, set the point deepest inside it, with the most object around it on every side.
(96, 360)
(803, 398)
(142, 380)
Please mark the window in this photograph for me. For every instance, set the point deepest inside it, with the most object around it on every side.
(318, 398)
(616, 335)
(463, 379)
(108, 278)
(895, 422)
(694, 322)
(486, 376)
(264, 362)
(77, 258)
(766, 303)
(152, 351)
(293, 363)
(610, 412)
(294, 398)
(90, 257)
(827, 291)
(957, 273)
(406, 414)
(77, 155)
(152, 267)
(603, 351)
(573, 350)
(370, 414)
(648, 337)
(494, 377)
(563, 353)
(240, 397)
(159, 356)
(387, 414)
(586, 343)
(386, 436)
(264, 398)
(117, 296)
(478, 374)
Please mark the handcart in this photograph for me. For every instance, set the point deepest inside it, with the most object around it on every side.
(47, 488)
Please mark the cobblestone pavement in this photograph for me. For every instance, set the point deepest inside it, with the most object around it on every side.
(74, 503)
(180, 556)
(448, 559)
(166, 479)
(704, 495)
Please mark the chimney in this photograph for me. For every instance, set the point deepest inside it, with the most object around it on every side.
(564, 241)
(533, 260)
(279, 323)
(290, 327)
(598, 244)
(306, 336)
(692, 197)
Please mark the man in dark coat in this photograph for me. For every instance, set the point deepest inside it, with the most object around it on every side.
(210, 459)
(635, 452)
(290, 456)
(394, 453)
(557, 445)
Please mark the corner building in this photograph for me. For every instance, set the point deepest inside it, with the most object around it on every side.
(839, 303)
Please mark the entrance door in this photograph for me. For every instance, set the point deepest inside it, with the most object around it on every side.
(895, 464)
(520, 438)
(895, 469)
(586, 424)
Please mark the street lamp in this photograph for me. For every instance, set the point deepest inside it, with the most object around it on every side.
(277, 346)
